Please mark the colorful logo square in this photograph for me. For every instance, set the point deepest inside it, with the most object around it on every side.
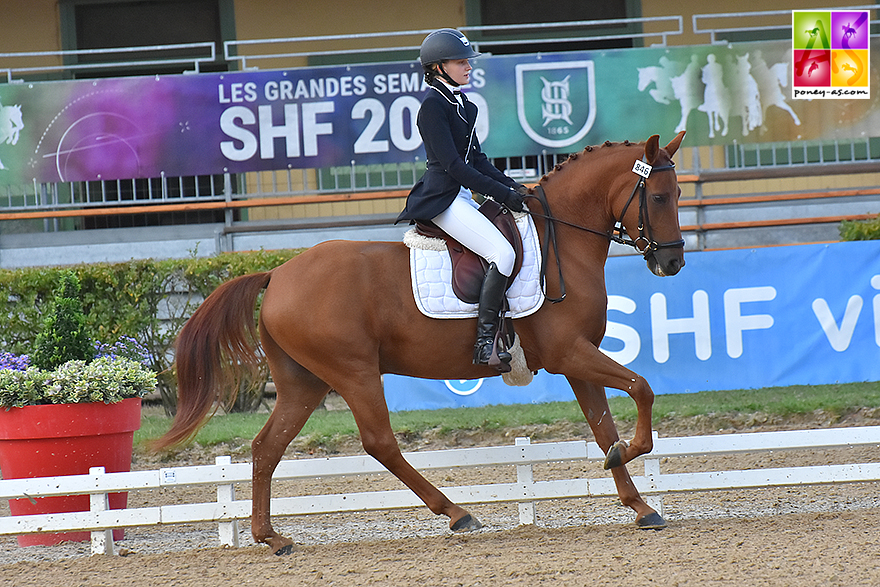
(812, 68)
(849, 30)
(830, 56)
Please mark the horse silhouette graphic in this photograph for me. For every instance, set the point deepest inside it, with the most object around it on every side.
(10, 125)
(744, 86)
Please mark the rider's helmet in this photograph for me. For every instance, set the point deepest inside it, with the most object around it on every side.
(445, 45)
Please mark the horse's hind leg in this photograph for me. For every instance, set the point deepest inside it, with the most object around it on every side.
(366, 398)
(299, 392)
(594, 404)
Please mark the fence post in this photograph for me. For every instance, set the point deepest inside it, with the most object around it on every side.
(525, 476)
(698, 197)
(224, 239)
(226, 494)
(102, 540)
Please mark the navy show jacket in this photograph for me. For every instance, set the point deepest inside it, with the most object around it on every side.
(454, 157)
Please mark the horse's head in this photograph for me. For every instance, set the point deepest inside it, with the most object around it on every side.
(652, 220)
(13, 114)
(637, 210)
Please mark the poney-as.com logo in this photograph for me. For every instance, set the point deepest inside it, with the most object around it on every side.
(830, 54)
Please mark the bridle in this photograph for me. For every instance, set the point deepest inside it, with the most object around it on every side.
(645, 235)
(618, 233)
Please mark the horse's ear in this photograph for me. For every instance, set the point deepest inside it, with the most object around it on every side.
(652, 149)
(673, 145)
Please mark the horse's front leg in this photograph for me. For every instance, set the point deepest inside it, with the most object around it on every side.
(585, 362)
(642, 443)
(594, 404)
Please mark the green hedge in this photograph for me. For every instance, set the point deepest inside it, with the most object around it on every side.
(860, 230)
(147, 300)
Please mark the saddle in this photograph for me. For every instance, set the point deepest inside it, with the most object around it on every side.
(468, 268)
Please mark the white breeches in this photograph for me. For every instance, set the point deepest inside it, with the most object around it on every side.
(464, 222)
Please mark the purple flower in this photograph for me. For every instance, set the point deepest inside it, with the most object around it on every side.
(14, 362)
(126, 347)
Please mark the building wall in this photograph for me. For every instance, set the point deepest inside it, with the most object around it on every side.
(687, 8)
(29, 25)
(282, 18)
(34, 25)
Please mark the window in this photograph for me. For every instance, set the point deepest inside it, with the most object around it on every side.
(520, 12)
(98, 24)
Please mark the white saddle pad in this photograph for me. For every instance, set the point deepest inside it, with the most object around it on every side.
(431, 271)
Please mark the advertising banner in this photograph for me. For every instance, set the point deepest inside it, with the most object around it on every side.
(737, 319)
(365, 114)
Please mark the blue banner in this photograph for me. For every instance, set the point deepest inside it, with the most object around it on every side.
(797, 315)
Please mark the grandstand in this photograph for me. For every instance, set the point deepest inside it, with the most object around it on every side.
(790, 179)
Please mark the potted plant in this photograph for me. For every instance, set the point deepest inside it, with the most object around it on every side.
(72, 405)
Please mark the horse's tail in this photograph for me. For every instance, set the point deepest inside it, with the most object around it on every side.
(216, 350)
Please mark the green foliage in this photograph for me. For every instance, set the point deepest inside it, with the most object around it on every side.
(22, 388)
(25, 295)
(860, 230)
(63, 337)
(106, 379)
(148, 300)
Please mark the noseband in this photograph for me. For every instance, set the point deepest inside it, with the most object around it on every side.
(617, 233)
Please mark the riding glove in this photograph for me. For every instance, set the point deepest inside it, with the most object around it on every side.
(514, 201)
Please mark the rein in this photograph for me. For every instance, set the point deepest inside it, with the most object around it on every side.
(617, 232)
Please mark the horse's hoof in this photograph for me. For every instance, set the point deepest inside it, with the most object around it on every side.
(466, 523)
(614, 457)
(284, 550)
(651, 522)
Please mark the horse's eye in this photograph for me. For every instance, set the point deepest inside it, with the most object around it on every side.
(660, 198)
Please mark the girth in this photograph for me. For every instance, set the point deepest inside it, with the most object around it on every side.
(468, 268)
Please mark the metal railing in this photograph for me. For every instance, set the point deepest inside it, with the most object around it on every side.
(398, 176)
(120, 192)
(729, 24)
(520, 34)
(793, 153)
(75, 54)
(264, 184)
(779, 28)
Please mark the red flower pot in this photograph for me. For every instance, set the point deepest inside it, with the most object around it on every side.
(66, 439)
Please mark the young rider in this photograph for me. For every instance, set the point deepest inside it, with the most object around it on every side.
(455, 166)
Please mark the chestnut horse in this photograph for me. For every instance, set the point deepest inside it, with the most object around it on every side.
(341, 314)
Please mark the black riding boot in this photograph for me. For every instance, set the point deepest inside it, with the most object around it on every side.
(489, 317)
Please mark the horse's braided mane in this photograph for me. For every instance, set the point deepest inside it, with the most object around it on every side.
(587, 149)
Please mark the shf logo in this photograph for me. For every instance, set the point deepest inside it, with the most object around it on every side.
(556, 106)
(556, 102)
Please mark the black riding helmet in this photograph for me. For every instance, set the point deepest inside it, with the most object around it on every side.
(444, 45)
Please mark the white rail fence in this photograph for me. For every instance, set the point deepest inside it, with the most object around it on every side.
(227, 510)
